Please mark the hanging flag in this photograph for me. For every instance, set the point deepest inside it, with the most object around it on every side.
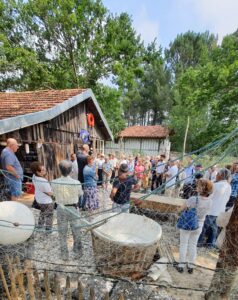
(84, 135)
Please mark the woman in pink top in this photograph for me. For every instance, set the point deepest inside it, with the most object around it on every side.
(139, 170)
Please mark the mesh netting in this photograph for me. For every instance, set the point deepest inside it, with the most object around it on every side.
(123, 256)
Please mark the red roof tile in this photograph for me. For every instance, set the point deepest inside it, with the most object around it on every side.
(20, 103)
(152, 132)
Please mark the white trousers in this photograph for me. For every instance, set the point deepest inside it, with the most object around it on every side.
(188, 246)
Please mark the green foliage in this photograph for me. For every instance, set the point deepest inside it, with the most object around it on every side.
(208, 94)
(66, 44)
(78, 43)
(109, 100)
(83, 35)
(149, 99)
(189, 50)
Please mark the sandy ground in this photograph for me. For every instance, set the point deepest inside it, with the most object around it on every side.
(45, 253)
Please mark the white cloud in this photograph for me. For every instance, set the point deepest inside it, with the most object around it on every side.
(145, 26)
(219, 15)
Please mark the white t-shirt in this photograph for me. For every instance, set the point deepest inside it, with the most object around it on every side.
(123, 161)
(171, 180)
(100, 162)
(160, 167)
(42, 186)
(210, 175)
(220, 196)
(115, 161)
(203, 205)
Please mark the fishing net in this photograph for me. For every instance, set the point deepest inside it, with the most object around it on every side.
(105, 265)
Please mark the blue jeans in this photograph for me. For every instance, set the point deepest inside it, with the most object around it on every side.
(121, 207)
(82, 201)
(230, 202)
(14, 186)
(209, 232)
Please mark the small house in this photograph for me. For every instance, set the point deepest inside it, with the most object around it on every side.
(49, 125)
(147, 140)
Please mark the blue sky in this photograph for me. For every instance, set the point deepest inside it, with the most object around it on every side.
(164, 19)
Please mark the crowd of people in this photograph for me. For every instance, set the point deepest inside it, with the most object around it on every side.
(212, 192)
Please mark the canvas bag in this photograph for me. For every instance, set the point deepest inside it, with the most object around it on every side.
(188, 220)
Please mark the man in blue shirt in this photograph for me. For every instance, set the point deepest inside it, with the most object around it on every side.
(14, 172)
(234, 186)
(121, 189)
(189, 178)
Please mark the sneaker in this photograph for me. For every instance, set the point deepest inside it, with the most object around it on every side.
(190, 270)
(64, 256)
(179, 269)
(78, 251)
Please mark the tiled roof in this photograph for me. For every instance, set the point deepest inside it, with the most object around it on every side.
(21, 103)
(152, 132)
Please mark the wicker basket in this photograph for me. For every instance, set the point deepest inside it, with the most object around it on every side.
(126, 244)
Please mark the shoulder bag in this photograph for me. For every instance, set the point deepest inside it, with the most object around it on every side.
(188, 220)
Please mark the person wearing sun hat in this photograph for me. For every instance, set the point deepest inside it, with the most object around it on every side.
(121, 189)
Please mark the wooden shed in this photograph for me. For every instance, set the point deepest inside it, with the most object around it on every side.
(51, 124)
(147, 140)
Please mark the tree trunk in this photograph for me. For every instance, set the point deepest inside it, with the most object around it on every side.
(154, 117)
(227, 264)
(185, 137)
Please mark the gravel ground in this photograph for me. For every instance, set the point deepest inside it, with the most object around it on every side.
(44, 250)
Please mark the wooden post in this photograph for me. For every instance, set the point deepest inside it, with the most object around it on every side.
(57, 287)
(92, 293)
(20, 278)
(68, 295)
(227, 264)
(106, 296)
(80, 291)
(121, 297)
(185, 137)
(38, 285)
(12, 278)
(5, 284)
(29, 280)
(47, 285)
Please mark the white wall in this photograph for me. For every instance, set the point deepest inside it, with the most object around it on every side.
(144, 146)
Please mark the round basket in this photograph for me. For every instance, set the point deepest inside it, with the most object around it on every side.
(126, 244)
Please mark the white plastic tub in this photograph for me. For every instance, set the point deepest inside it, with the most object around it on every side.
(125, 244)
